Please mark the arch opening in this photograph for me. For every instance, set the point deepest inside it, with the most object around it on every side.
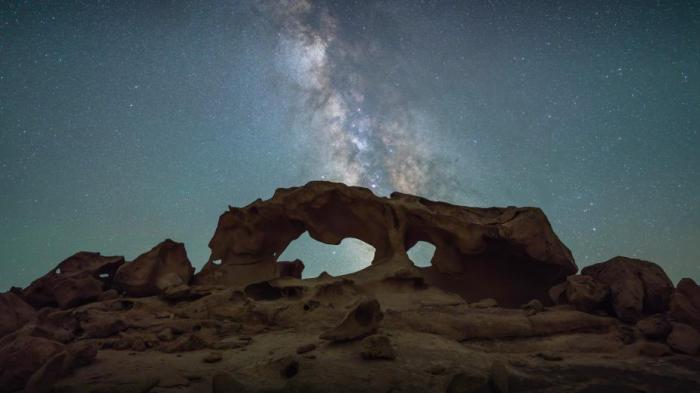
(349, 256)
(421, 254)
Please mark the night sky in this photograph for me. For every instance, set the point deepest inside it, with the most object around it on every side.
(123, 123)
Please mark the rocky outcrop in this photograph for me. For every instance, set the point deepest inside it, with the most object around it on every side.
(477, 320)
(164, 266)
(636, 287)
(510, 254)
(685, 303)
(22, 357)
(14, 313)
(290, 269)
(80, 279)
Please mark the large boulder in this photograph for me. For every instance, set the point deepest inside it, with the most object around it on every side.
(80, 279)
(14, 313)
(23, 356)
(685, 303)
(636, 287)
(166, 265)
(510, 254)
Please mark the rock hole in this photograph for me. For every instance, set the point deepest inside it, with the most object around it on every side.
(263, 291)
(421, 254)
(349, 256)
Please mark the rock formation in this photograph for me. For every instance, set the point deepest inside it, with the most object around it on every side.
(500, 310)
(510, 254)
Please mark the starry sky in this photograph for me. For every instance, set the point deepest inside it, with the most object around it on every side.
(123, 123)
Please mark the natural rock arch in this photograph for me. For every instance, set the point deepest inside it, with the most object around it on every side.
(510, 253)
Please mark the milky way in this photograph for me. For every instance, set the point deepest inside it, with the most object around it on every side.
(387, 151)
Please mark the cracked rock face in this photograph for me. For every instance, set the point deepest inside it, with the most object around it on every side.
(510, 254)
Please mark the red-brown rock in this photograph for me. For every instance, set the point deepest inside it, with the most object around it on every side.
(77, 280)
(636, 287)
(21, 358)
(165, 265)
(685, 303)
(14, 313)
(684, 339)
(510, 254)
(290, 269)
(585, 293)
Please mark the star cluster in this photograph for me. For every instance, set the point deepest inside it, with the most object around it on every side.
(126, 122)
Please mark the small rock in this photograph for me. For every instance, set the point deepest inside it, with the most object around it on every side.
(654, 327)
(212, 357)
(166, 335)
(533, 307)
(485, 303)
(377, 347)
(684, 338)
(470, 383)
(163, 315)
(361, 321)
(306, 348)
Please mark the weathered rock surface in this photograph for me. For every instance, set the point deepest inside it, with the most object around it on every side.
(164, 266)
(636, 287)
(510, 254)
(290, 269)
(14, 313)
(23, 357)
(685, 303)
(80, 279)
(585, 293)
(655, 327)
(684, 338)
(362, 320)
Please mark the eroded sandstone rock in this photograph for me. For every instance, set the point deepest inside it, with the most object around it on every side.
(14, 313)
(684, 338)
(80, 279)
(636, 287)
(585, 293)
(152, 273)
(510, 254)
(21, 358)
(685, 303)
(290, 269)
(362, 320)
